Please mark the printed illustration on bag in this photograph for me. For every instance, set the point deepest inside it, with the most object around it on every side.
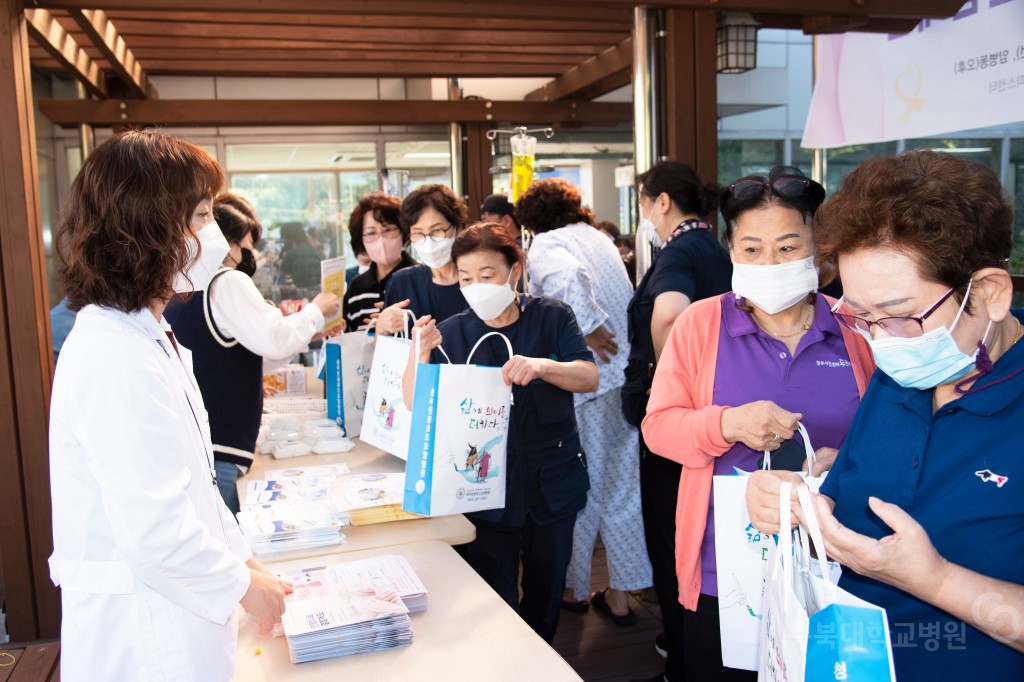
(478, 461)
(386, 413)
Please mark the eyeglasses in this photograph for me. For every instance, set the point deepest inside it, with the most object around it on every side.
(437, 234)
(906, 327)
(388, 231)
(788, 186)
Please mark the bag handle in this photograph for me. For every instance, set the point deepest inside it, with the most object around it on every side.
(407, 316)
(785, 544)
(508, 344)
(417, 344)
(766, 464)
(803, 493)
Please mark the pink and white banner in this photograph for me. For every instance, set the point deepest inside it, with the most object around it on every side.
(955, 74)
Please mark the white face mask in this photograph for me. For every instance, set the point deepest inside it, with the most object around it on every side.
(215, 249)
(434, 254)
(773, 288)
(489, 301)
(650, 229)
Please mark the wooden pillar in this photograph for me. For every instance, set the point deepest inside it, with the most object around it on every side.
(691, 95)
(478, 167)
(26, 354)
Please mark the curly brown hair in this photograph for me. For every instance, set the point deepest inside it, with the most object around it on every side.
(386, 209)
(127, 225)
(948, 214)
(551, 203)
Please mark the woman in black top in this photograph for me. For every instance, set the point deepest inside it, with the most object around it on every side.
(374, 227)
(690, 265)
(547, 478)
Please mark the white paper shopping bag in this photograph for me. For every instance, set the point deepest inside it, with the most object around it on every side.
(800, 607)
(741, 556)
(385, 418)
(458, 441)
(346, 375)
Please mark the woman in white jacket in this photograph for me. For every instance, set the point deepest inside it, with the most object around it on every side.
(150, 563)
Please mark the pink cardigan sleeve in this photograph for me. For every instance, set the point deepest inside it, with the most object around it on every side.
(681, 423)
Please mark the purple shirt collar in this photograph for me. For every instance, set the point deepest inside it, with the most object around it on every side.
(739, 322)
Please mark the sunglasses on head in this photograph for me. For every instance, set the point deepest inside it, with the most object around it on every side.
(788, 186)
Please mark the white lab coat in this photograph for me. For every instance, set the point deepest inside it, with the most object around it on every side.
(150, 562)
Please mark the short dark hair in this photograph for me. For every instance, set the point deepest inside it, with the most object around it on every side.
(682, 185)
(498, 204)
(386, 210)
(441, 199)
(127, 222)
(948, 214)
(488, 237)
(241, 205)
(609, 228)
(233, 222)
(551, 203)
(806, 203)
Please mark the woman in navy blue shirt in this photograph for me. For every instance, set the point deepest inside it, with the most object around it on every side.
(547, 477)
(433, 216)
(923, 506)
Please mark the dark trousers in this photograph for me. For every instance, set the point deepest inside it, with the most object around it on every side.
(545, 552)
(703, 643)
(659, 490)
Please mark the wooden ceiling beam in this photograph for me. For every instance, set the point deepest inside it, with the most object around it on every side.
(452, 8)
(164, 56)
(130, 28)
(377, 68)
(104, 35)
(178, 43)
(58, 43)
(569, 10)
(191, 113)
(488, 24)
(832, 24)
(594, 77)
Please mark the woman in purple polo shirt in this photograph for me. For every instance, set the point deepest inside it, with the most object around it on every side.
(737, 374)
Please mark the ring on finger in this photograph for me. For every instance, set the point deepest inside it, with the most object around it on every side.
(776, 439)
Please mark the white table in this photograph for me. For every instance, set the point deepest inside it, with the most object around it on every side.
(454, 530)
(467, 633)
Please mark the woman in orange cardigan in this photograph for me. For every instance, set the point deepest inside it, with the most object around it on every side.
(737, 374)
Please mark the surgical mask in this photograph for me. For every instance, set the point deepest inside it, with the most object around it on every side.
(650, 229)
(214, 249)
(774, 288)
(489, 301)
(925, 361)
(384, 251)
(434, 254)
(248, 263)
(362, 268)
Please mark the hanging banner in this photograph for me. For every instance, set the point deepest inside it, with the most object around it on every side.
(946, 75)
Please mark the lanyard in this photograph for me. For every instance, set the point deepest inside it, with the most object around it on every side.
(686, 226)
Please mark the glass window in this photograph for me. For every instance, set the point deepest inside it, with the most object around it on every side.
(737, 158)
(427, 161)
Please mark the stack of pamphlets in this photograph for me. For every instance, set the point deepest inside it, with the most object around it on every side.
(352, 607)
(366, 498)
(283, 525)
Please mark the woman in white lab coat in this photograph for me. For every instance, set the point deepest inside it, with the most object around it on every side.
(150, 563)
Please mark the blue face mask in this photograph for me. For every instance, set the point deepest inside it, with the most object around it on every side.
(926, 361)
